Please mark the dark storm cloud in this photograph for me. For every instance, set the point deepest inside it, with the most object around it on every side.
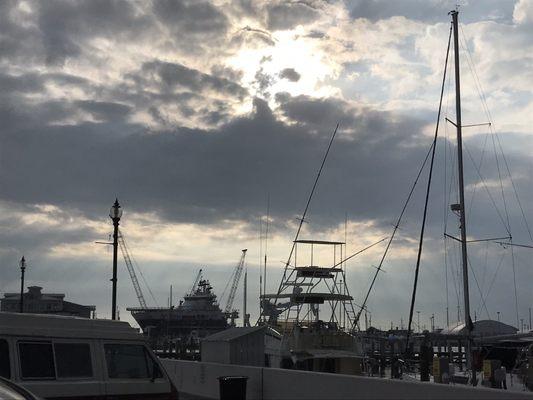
(103, 110)
(27, 83)
(36, 237)
(227, 73)
(287, 15)
(158, 85)
(251, 35)
(57, 30)
(172, 75)
(207, 176)
(290, 74)
(366, 124)
(317, 114)
(197, 26)
(67, 79)
(191, 17)
(429, 10)
(32, 82)
(65, 25)
(202, 176)
(279, 15)
(16, 40)
(16, 113)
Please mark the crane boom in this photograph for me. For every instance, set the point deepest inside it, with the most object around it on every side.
(195, 284)
(131, 270)
(236, 277)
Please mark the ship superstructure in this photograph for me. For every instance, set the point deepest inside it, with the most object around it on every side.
(197, 315)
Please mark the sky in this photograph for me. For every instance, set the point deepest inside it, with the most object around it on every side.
(198, 114)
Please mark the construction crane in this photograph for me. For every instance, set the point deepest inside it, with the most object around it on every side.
(234, 279)
(195, 284)
(131, 270)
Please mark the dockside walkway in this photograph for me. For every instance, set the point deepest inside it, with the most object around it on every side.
(199, 380)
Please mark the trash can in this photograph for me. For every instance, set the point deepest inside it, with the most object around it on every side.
(232, 387)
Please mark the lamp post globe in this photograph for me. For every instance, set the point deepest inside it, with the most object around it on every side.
(115, 213)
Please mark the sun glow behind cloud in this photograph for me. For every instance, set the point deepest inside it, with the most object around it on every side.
(290, 49)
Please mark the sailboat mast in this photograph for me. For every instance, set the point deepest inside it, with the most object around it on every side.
(461, 187)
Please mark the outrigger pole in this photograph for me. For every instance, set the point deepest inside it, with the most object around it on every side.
(461, 208)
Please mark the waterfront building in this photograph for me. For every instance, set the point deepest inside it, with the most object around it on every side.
(37, 302)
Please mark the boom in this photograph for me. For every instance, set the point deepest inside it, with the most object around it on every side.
(236, 277)
(131, 270)
(195, 284)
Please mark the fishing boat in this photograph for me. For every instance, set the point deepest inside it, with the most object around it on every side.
(317, 314)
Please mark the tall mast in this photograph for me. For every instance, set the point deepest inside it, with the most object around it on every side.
(462, 217)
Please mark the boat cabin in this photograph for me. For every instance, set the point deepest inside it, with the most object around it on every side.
(59, 357)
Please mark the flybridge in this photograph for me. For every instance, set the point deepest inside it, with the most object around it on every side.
(313, 285)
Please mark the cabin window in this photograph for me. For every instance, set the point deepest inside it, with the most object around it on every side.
(36, 360)
(73, 360)
(5, 369)
(126, 361)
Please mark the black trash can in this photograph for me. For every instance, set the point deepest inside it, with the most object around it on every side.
(232, 387)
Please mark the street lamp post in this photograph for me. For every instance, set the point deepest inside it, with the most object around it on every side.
(22, 269)
(115, 213)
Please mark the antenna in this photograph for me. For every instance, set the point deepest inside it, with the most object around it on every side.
(261, 292)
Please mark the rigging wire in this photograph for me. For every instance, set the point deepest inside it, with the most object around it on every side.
(493, 130)
(430, 175)
(485, 264)
(500, 263)
(484, 305)
(455, 272)
(447, 196)
(395, 229)
(507, 228)
(524, 219)
(474, 190)
(514, 282)
(489, 116)
(501, 184)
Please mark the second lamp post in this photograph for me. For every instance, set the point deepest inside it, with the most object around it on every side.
(115, 213)
(22, 269)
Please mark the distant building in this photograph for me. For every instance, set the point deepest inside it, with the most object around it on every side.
(482, 328)
(37, 302)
